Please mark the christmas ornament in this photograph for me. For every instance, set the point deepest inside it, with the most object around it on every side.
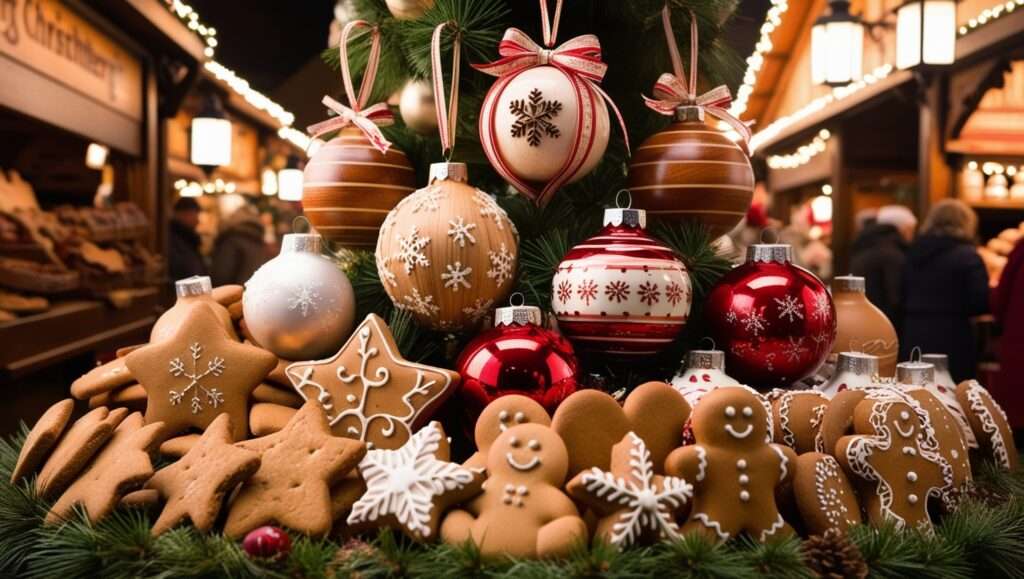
(299, 305)
(416, 105)
(775, 321)
(692, 169)
(267, 543)
(189, 290)
(354, 179)
(544, 122)
(862, 326)
(621, 291)
(853, 370)
(518, 356)
(705, 371)
(408, 9)
(931, 373)
(447, 252)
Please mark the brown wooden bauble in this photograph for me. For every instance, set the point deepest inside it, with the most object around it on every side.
(447, 253)
(349, 187)
(862, 327)
(692, 171)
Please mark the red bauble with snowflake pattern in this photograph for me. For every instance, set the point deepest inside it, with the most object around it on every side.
(775, 321)
(621, 292)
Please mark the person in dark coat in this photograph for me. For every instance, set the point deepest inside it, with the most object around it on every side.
(944, 285)
(879, 255)
(1008, 308)
(183, 256)
(239, 250)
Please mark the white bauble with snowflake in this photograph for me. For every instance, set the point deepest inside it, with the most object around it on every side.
(299, 305)
(448, 252)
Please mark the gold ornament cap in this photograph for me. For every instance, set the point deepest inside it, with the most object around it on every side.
(770, 253)
(301, 243)
(705, 360)
(518, 314)
(857, 363)
(849, 284)
(197, 285)
(448, 172)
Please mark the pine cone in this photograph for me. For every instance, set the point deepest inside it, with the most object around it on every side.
(834, 556)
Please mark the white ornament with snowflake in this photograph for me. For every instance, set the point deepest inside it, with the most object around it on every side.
(446, 249)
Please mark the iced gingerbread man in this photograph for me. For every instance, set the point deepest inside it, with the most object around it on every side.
(522, 512)
(733, 467)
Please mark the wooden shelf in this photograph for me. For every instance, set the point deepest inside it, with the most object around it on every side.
(72, 328)
(1011, 205)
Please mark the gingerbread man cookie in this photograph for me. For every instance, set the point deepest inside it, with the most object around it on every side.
(499, 416)
(734, 468)
(796, 418)
(895, 471)
(824, 495)
(945, 430)
(989, 423)
(522, 512)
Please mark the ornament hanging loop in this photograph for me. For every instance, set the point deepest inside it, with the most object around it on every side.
(618, 199)
(708, 339)
(301, 225)
(513, 298)
(447, 113)
(358, 101)
(548, 25)
(915, 354)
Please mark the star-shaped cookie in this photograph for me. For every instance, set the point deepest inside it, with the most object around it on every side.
(408, 489)
(369, 391)
(298, 467)
(195, 486)
(121, 466)
(199, 373)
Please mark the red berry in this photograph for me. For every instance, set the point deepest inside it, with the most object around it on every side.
(267, 543)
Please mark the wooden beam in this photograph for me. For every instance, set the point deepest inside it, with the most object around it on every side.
(967, 86)
(934, 174)
(842, 206)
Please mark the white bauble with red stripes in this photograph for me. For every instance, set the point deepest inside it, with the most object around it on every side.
(540, 124)
(621, 292)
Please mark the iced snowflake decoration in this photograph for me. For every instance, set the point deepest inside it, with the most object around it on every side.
(645, 505)
(406, 483)
(822, 308)
(534, 116)
(731, 317)
(795, 349)
(411, 250)
(564, 291)
(501, 265)
(423, 305)
(479, 309)
(305, 299)
(490, 209)
(429, 200)
(789, 308)
(212, 396)
(674, 293)
(649, 293)
(617, 291)
(460, 231)
(587, 291)
(754, 323)
(456, 276)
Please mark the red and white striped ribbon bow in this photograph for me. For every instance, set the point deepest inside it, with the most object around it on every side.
(367, 119)
(672, 90)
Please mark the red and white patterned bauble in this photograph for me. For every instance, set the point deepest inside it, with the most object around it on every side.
(542, 124)
(621, 291)
(448, 252)
(775, 321)
(705, 371)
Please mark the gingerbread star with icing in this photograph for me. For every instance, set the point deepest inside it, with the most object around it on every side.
(194, 487)
(369, 391)
(199, 373)
(298, 466)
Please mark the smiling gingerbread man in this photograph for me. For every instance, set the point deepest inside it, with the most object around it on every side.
(522, 512)
(733, 467)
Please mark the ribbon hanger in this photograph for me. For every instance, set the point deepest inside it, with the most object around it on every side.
(447, 116)
(368, 120)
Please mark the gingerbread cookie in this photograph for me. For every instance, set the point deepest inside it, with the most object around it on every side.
(298, 467)
(102, 379)
(636, 505)
(132, 397)
(947, 434)
(86, 436)
(279, 376)
(194, 487)
(408, 489)
(824, 496)
(121, 466)
(894, 470)
(124, 351)
(266, 418)
(178, 446)
(989, 424)
(369, 391)
(734, 468)
(796, 419)
(140, 499)
(266, 393)
(226, 295)
(42, 437)
(592, 422)
(198, 373)
(522, 512)
(499, 416)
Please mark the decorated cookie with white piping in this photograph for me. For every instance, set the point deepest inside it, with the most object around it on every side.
(522, 512)
(952, 445)
(824, 496)
(734, 468)
(989, 424)
(796, 419)
(499, 416)
(895, 469)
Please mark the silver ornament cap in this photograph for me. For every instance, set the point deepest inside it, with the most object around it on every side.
(915, 373)
(197, 285)
(770, 253)
(849, 284)
(940, 361)
(705, 360)
(448, 172)
(301, 243)
(620, 216)
(518, 314)
(857, 363)
(690, 113)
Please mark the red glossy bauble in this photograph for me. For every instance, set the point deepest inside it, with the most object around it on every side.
(267, 543)
(775, 321)
(517, 356)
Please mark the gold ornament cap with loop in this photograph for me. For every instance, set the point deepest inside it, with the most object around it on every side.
(857, 363)
(448, 171)
(915, 373)
(620, 216)
(849, 284)
(518, 314)
(197, 285)
(301, 243)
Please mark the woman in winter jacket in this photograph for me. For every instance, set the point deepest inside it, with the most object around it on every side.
(1008, 307)
(944, 286)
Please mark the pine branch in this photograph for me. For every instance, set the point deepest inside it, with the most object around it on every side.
(781, 558)
(988, 538)
(361, 268)
(479, 23)
(695, 556)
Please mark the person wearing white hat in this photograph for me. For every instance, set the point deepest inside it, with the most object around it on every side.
(879, 254)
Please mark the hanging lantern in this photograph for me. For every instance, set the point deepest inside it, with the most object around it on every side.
(837, 46)
(925, 33)
(96, 156)
(268, 182)
(289, 181)
(211, 135)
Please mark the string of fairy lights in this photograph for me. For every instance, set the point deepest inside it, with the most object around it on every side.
(989, 14)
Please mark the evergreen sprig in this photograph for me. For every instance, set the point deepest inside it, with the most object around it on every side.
(478, 23)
